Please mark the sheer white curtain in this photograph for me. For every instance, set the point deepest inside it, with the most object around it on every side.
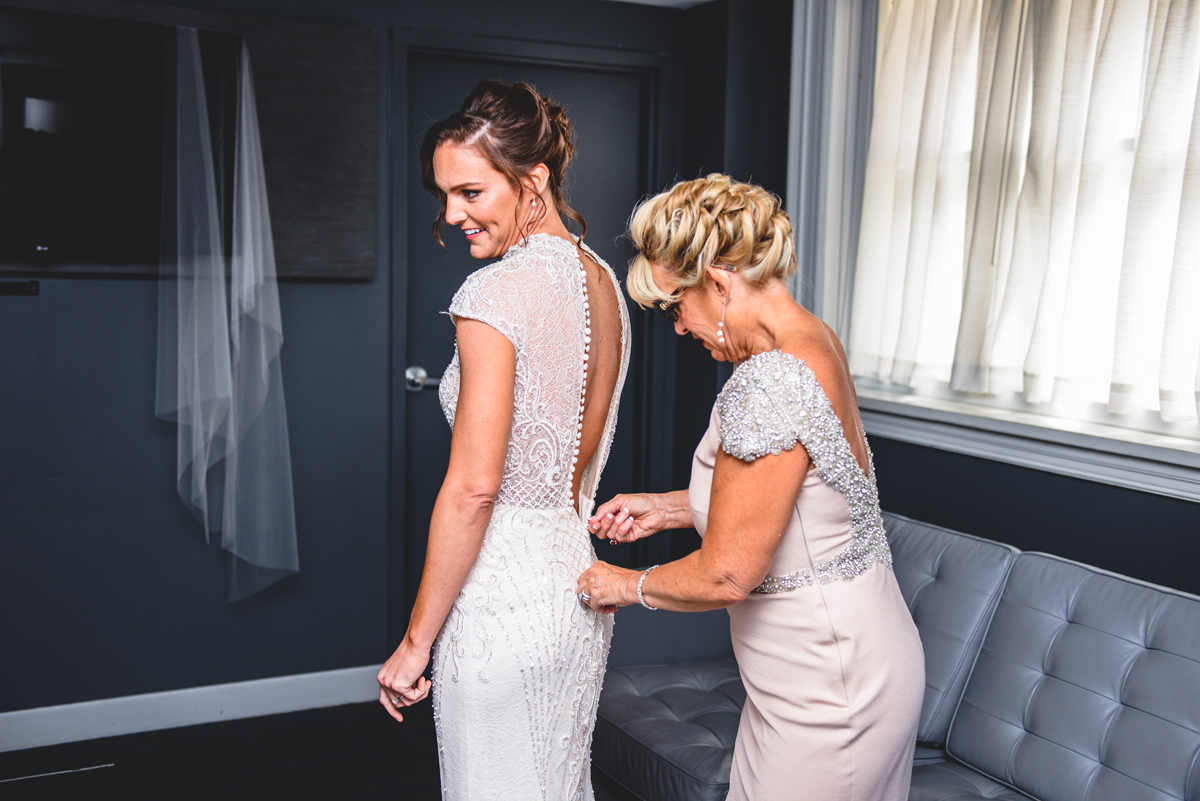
(1030, 208)
(220, 336)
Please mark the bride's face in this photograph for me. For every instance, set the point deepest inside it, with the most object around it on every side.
(479, 200)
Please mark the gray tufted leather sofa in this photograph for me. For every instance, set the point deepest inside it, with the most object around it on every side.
(1046, 679)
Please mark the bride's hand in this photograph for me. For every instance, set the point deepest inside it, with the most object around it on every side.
(627, 518)
(400, 680)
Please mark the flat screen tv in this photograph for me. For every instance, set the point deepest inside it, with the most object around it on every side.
(81, 143)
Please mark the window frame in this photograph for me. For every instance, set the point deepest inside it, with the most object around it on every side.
(834, 49)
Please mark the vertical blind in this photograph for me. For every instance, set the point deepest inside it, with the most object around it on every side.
(1031, 207)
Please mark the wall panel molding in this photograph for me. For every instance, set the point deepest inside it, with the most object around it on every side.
(1133, 465)
(110, 717)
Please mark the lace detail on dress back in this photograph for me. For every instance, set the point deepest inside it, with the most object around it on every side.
(536, 297)
(772, 401)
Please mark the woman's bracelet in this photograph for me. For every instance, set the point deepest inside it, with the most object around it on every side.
(641, 581)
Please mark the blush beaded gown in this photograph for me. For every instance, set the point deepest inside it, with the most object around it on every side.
(830, 656)
(518, 665)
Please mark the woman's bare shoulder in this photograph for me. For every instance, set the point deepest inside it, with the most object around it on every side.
(816, 344)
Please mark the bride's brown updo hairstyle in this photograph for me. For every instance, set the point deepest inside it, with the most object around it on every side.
(515, 128)
(711, 220)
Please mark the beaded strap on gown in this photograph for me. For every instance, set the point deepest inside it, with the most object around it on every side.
(518, 664)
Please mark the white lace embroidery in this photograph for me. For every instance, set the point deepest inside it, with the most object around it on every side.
(518, 644)
(536, 298)
(517, 639)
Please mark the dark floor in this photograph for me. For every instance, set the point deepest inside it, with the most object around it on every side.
(348, 752)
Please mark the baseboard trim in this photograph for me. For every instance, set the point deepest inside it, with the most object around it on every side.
(109, 717)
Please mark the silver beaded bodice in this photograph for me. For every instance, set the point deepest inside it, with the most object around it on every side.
(772, 402)
(536, 296)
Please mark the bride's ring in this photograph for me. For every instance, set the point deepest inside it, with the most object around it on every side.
(395, 701)
(584, 597)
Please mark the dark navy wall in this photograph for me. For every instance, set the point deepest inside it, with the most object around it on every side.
(1149, 537)
(738, 57)
(106, 585)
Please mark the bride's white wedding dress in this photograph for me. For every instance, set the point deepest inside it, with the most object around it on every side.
(518, 664)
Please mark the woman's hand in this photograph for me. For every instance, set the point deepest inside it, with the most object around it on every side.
(400, 679)
(607, 587)
(627, 518)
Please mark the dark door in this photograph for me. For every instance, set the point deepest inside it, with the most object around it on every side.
(611, 107)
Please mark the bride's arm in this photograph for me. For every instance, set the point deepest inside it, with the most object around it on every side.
(463, 509)
(626, 518)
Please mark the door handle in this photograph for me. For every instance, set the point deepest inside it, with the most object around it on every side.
(416, 379)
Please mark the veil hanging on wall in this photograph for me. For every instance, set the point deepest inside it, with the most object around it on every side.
(219, 338)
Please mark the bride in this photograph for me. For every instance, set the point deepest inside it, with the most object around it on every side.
(531, 395)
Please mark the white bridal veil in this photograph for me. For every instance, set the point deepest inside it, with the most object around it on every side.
(219, 337)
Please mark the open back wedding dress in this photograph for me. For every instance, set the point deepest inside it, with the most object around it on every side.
(518, 665)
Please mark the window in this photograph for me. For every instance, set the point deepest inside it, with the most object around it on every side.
(1024, 279)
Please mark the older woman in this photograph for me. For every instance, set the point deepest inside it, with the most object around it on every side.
(783, 493)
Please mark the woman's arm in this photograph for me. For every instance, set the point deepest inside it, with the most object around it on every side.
(482, 425)
(627, 518)
(751, 506)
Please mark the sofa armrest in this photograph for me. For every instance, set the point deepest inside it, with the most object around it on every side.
(952, 584)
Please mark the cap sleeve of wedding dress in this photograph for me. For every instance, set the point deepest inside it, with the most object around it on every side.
(494, 295)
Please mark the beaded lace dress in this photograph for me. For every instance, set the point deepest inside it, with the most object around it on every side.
(518, 665)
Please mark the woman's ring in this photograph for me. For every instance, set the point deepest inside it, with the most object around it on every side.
(584, 597)
(395, 701)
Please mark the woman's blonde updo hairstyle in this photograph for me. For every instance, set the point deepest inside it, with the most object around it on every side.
(709, 221)
(515, 128)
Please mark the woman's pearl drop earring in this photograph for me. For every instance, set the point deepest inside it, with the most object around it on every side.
(721, 325)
